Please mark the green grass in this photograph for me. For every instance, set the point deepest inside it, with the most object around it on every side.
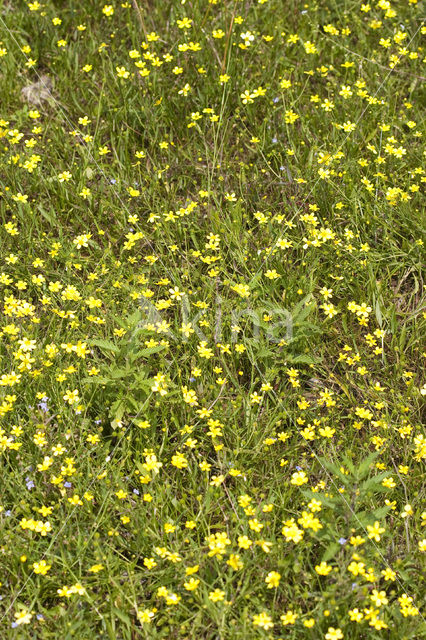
(212, 325)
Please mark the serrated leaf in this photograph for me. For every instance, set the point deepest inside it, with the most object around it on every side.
(368, 484)
(116, 374)
(334, 469)
(368, 517)
(309, 495)
(364, 467)
(107, 345)
(133, 319)
(381, 512)
(96, 380)
(142, 382)
(149, 350)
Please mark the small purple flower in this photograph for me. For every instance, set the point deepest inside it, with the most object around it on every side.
(67, 484)
(39, 616)
(275, 100)
(43, 406)
(136, 491)
(191, 379)
(14, 625)
(113, 181)
(98, 421)
(8, 513)
(30, 484)
(298, 468)
(342, 541)
(274, 140)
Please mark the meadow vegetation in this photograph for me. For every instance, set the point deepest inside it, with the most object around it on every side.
(212, 319)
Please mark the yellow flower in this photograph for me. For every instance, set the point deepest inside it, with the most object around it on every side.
(41, 567)
(290, 116)
(323, 569)
(65, 176)
(298, 478)
(375, 530)
(23, 617)
(122, 72)
(179, 460)
(217, 595)
(242, 289)
(244, 542)
(234, 562)
(192, 584)
(288, 618)
(263, 620)
(96, 568)
(273, 579)
(272, 274)
(145, 615)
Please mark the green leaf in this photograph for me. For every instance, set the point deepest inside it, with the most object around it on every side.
(302, 359)
(117, 409)
(335, 469)
(117, 373)
(368, 517)
(133, 319)
(309, 495)
(49, 215)
(107, 345)
(364, 467)
(123, 616)
(374, 480)
(96, 380)
(330, 552)
(149, 350)
(142, 382)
